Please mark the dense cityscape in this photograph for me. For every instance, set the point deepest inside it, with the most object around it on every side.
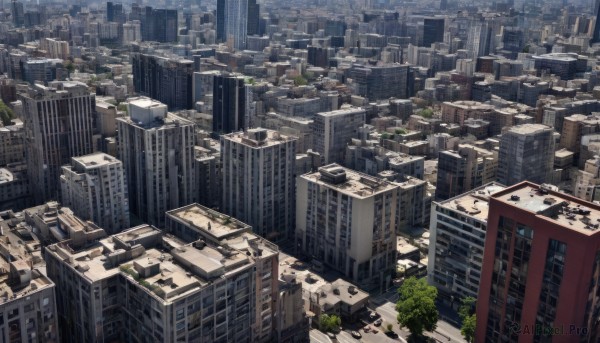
(300, 171)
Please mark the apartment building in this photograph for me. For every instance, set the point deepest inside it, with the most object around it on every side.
(333, 131)
(94, 187)
(347, 221)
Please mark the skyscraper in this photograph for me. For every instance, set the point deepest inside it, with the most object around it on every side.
(157, 150)
(526, 153)
(159, 25)
(58, 124)
(236, 20)
(433, 31)
(596, 33)
(17, 13)
(229, 103)
(479, 40)
(94, 187)
(541, 266)
(258, 169)
(168, 80)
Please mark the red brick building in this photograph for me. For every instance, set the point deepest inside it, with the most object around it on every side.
(541, 268)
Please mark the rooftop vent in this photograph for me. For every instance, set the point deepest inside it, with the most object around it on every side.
(515, 197)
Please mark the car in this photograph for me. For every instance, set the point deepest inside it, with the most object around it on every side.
(330, 335)
(367, 328)
(373, 315)
(356, 334)
(374, 330)
(391, 334)
(378, 322)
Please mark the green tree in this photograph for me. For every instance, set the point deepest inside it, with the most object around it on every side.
(416, 306)
(468, 328)
(329, 322)
(426, 113)
(6, 113)
(300, 81)
(466, 311)
(400, 131)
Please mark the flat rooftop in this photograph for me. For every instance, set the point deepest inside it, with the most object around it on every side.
(570, 212)
(348, 181)
(95, 160)
(474, 203)
(258, 138)
(208, 221)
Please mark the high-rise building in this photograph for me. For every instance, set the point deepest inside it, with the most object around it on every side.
(541, 268)
(433, 31)
(526, 153)
(17, 13)
(144, 285)
(346, 220)
(58, 123)
(229, 103)
(456, 243)
(334, 130)
(479, 39)
(596, 32)
(167, 80)
(94, 187)
(114, 12)
(258, 168)
(380, 82)
(236, 20)
(159, 25)
(157, 151)
(464, 169)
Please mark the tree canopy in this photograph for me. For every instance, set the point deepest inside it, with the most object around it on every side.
(466, 312)
(416, 306)
(6, 113)
(329, 323)
(426, 113)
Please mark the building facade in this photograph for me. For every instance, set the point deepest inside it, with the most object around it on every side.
(49, 145)
(258, 169)
(346, 220)
(157, 151)
(334, 130)
(94, 187)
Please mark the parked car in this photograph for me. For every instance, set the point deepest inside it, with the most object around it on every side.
(374, 330)
(391, 334)
(356, 334)
(367, 328)
(331, 335)
(373, 315)
(378, 322)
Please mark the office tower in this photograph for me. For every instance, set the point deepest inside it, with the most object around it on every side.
(526, 153)
(564, 65)
(28, 308)
(44, 70)
(380, 82)
(479, 39)
(253, 18)
(158, 25)
(541, 266)
(236, 20)
(221, 287)
(157, 151)
(335, 27)
(17, 13)
(49, 145)
(464, 169)
(94, 187)
(334, 130)
(168, 80)
(513, 41)
(208, 172)
(346, 220)
(596, 32)
(114, 12)
(229, 103)
(456, 242)
(220, 21)
(258, 181)
(433, 31)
